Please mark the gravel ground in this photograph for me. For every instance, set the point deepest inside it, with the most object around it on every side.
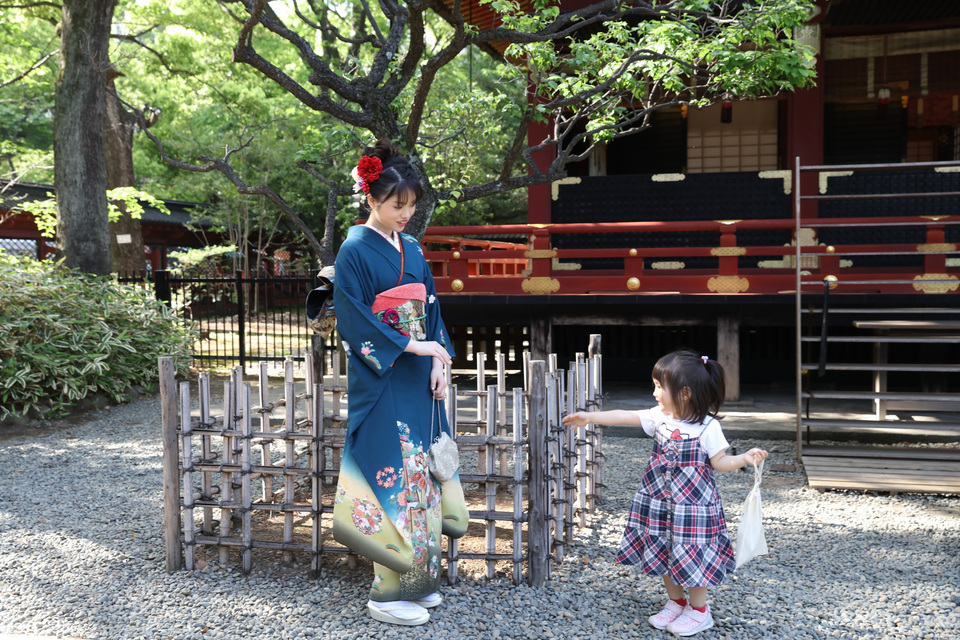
(81, 556)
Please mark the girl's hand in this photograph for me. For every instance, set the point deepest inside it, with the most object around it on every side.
(578, 419)
(754, 456)
(430, 348)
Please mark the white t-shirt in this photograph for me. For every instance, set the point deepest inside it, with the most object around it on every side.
(710, 434)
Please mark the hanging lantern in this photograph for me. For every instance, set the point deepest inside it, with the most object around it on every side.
(883, 99)
(726, 112)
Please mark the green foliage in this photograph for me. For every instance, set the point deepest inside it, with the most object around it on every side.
(197, 261)
(45, 211)
(68, 336)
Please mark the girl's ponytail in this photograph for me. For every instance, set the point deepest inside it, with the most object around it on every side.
(697, 384)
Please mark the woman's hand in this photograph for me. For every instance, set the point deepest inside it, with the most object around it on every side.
(438, 382)
(431, 349)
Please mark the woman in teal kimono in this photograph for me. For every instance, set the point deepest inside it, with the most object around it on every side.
(388, 506)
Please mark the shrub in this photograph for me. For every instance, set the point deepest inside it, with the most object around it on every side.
(65, 335)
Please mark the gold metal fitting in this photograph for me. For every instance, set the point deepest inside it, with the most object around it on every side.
(457, 285)
(633, 253)
(832, 281)
(633, 284)
(456, 255)
(831, 249)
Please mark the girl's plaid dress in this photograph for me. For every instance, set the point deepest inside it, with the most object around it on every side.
(676, 525)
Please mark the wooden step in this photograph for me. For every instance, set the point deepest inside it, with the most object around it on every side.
(887, 311)
(894, 453)
(885, 426)
(881, 395)
(861, 366)
(913, 469)
(918, 339)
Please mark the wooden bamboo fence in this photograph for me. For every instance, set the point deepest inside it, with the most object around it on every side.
(265, 477)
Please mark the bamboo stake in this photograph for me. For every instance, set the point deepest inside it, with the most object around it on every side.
(206, 478)
(337, 393)
(245, 491)
(308, 386)
(317, 467)
(266, 483)
(570, 455)
(491, 487)
(171, 464)
(453, 550)
(591, 436)
(518, 485)
(290, 392)
(482, 400)
(229, 457)
(552, 454)
(188, 523)
(502, 408)
(597, 402)
(581, 444)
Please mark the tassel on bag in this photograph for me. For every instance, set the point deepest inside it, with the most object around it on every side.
(750, 539)
(443, 458)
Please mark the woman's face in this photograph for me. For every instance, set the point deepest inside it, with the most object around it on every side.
(393, 213)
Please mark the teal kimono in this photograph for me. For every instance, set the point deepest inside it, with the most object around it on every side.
(388, 506)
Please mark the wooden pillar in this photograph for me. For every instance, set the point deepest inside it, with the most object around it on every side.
(538, 196)
(804, 115)
(728, 354)
(538, 543)
(171, 464)
(541, 336)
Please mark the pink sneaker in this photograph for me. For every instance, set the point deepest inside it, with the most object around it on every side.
(670, 612)
(691, 622)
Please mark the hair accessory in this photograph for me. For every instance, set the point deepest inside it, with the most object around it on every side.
(368, 170)
(704, 358)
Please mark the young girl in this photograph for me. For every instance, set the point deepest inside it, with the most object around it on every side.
(389, 507)
(676, 527)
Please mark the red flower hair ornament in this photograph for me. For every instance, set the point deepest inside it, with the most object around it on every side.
(368, 170)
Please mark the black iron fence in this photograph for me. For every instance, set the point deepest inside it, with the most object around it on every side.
(241, 318)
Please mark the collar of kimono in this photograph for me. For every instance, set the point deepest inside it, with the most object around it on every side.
(398, 247)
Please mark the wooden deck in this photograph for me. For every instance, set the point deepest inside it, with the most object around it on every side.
(893, 469)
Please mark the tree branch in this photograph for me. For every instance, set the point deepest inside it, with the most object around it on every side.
(36, 65)
(428, 72)
(260, 13)
(373, 22)
(159, 56)
(223, 166)
(31, 5)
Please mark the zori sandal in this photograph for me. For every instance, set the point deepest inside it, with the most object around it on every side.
(430, 601)
(398, 612)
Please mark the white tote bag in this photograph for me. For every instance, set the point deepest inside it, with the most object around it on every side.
(750, 540)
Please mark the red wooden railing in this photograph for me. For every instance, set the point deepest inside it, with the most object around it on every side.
(472, 265)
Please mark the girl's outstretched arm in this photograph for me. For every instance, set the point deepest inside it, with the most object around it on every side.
(723, 462)
(581, 418)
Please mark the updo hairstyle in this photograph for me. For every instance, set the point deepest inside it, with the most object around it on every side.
(398, 176)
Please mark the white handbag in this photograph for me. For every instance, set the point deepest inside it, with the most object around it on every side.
(750, 539)
(443, 458)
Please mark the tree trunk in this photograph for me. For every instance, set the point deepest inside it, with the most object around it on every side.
(80, 176)
(418, 224)
(126, 239)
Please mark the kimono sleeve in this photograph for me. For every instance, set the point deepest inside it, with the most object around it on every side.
(373, 342)
(436, 330)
